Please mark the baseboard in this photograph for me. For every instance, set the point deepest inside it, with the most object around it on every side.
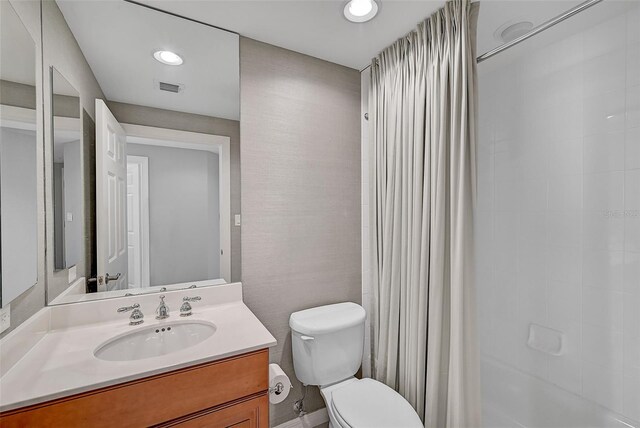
(310, 420)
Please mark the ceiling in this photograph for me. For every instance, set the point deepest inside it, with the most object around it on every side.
(118, 39)
(318, 27)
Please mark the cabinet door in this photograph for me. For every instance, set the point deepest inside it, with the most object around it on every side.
(252, 413)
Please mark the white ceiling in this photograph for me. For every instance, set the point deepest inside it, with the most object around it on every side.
(119, 38)
(318, 27)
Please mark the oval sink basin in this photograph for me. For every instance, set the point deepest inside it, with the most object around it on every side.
(154, 341)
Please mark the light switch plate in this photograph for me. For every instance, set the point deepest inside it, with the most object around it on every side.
(72, 274)
(5, 318)
(237, 219)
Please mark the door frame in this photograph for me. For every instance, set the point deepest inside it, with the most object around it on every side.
(143, 164)
(219, 144)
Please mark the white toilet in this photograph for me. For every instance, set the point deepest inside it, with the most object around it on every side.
(327, 346)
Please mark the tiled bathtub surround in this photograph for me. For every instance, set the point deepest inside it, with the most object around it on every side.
(558, 219)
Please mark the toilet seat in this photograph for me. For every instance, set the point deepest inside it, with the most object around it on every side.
(372, 404)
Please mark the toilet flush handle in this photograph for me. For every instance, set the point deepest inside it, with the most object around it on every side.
(306, 338)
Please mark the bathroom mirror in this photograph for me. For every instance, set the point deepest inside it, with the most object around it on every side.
(18, 156)
(68, 200)
(164, 179)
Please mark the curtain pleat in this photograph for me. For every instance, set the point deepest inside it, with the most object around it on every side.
(422, 107)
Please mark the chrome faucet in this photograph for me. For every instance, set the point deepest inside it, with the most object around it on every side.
(163, 310)
(136, 315)
(185, 309)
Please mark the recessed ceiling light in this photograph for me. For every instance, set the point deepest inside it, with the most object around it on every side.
(512, 30)
(360, 10)
(168, 57)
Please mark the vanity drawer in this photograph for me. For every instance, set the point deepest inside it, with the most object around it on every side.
(250, 413)
(152, 400)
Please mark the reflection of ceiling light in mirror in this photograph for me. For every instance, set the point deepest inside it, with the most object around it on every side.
(360, 10)
(168, 57)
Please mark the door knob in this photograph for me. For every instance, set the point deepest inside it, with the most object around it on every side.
(108, 277)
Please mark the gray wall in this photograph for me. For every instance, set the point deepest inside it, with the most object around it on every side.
(148, 116)
(18, 206)
(184, 233)
(300, 151)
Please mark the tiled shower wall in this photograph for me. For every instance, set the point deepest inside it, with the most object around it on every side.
(559, 209)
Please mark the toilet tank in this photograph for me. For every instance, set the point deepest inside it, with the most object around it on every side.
(327, 342)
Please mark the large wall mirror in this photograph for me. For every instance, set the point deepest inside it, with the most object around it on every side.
(18, 157)
(150, 204)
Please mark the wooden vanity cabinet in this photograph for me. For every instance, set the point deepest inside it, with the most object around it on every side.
(232, 392)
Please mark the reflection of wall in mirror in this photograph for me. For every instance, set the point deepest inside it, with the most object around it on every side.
(58, 216)
(68, 205)
(147, 116)
(18, 211)
(62, 52)
(183, 213)
(17, 94)
(73, 203)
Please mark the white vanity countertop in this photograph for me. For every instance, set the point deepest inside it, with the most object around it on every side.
(62, 362)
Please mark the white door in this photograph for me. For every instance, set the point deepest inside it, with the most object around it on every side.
(138, 220)
(111, 200)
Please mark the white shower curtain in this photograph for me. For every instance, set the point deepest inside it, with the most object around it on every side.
(422, 113)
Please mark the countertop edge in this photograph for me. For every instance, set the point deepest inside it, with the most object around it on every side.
(79, 390)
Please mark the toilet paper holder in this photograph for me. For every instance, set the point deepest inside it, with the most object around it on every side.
(279, 384)
(278, 388)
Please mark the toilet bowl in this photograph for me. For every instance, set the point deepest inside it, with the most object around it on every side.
(327, 344)
(367, 403)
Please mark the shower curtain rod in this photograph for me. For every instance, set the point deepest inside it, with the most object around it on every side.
(539, 29)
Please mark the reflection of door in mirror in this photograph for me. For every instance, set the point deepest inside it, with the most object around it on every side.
(18, 157)
(111, 196)
(68, 196)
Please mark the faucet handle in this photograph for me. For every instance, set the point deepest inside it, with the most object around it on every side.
(185, 309)
(128, 308)
(137, 317)
(163, 310)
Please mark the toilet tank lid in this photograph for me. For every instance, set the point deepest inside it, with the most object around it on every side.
(327, 319)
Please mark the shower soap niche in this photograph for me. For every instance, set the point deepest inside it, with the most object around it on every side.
(547, 340)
